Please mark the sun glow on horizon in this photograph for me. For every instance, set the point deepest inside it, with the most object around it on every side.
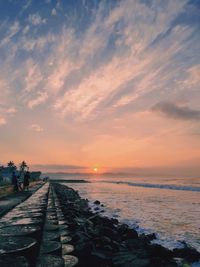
(95, 169)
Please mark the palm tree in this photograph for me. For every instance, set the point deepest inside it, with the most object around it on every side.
(11, 165)
(23, 166)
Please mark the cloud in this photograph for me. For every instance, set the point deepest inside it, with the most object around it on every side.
(11, 111)
(2, 121)
(12, 31)
(193, 77)
(53, 12)
(26, 29)
(33, 77)
(36, 19)
(58, 167)
(41, 98)
(36, 128)
(26, 6)
(117, 60)
(175, 111)
(134, 58)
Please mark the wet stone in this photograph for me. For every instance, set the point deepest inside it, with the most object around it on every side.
(51, 210)
(51, 217)
(67, 249)
(97, 202)
(15, 244)
(52, 222)
(19, 230)
(61, 218)
(64, 232)
(51, 247)
(52, 235)
(63, 227)
(14, 261)
(35, 214)
(50, 261)
(65, 239)
(25, 221)
(32, 210)
(62, 222)
(70, 261)
(51, 227)
(27, 215)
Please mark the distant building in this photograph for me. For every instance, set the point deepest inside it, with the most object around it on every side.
(6, 174)
(35, 175)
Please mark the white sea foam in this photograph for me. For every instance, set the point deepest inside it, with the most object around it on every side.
(160, 186)
(169, 207)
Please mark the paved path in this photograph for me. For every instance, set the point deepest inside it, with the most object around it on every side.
(9, 202)
(35, 233)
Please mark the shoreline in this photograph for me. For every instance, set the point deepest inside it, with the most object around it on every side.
(119, 239)
(61, 227)
(69, 181)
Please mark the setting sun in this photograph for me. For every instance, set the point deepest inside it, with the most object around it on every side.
(95, 169)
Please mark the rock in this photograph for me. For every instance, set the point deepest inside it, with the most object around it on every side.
(106, 239)
(122, 229)
(66, 249)
(16, 245)
(51, 236)
(13, 261)
(27, 221)
(187, 253)
(130, 259)
(97, 202)
(131, 233)
(64, 232)
(63, 227)
(50, 261)
(155, 250)
(148, 238)
(70, 261)
(55, 222)
(51, 247)
(114, 221)
(19, 230)
(65, 239)
(50, 227)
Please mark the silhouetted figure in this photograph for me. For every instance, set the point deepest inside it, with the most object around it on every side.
(21, 180)
(15, 182)
(26, 180)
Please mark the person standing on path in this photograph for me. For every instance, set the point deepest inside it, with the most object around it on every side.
(23, 166)
(21, 180)
(15, 182)
(26, 180)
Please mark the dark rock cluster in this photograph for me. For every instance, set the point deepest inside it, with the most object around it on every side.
(103, 242)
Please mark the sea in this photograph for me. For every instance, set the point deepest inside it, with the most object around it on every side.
(166, 206)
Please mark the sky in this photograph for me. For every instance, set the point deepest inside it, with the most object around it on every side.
(109, 84)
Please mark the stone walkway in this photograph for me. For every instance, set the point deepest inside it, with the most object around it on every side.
(9, 202)
(35, 233)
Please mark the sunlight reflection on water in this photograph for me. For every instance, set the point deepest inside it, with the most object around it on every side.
(173, 214)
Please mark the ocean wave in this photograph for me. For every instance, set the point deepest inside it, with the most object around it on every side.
(160, 186)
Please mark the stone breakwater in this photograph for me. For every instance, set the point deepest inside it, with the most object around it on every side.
(35, 233)
(56, 228)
